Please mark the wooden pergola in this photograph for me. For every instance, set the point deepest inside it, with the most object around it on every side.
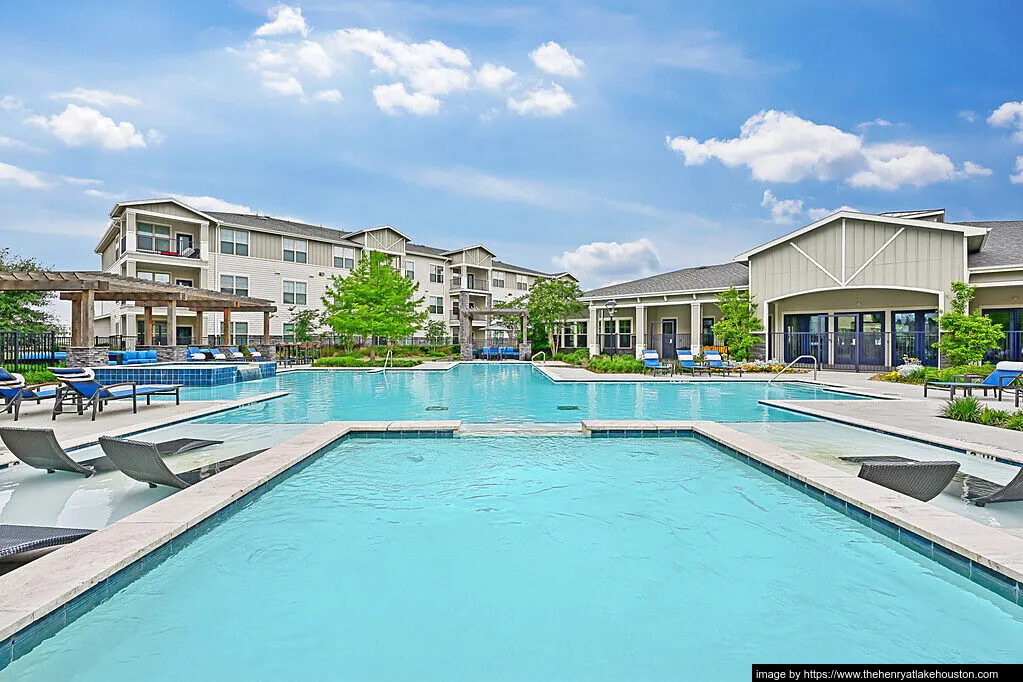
(83, 289)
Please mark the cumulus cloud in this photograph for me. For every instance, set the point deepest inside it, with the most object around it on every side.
(816, 214)
(82, 126)
(545, 102)
(10, 103)
(207, 203)
(11, 142)
(968, 116)
(394, 97)
(783, 211)
(609, 261)
(282, 84)
(100, 98)
(1009, 115)
(1017, 177)
(13, 175)
(283, 20)
(330, 96)
(155, 137)
(493, 77)
(554, 59)
(879, 122)
(782, 147)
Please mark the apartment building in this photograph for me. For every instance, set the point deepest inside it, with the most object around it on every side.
(292, 263)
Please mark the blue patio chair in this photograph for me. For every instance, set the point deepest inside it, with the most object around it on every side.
(1005, 374)
(716, 364)
(510, 352)
(254, 354)
(80, 388)
(652, 363)
(686, 363)
(196, 355)
(14, 392)
(236, 354)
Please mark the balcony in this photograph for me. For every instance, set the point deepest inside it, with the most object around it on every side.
(191, 252)
(474, 284)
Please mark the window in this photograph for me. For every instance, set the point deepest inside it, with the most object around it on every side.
(707, 335)
(234, 241)
(153, 237)
(499, 279)
(294, 292)
(521, 282)
(344, 257)
(436, 273)
(295, 250)
(234, 284)
(454, 308)
(289, 332)
(437, 305)
(410, 269)
(239, 332)
(158, 277)
(183, 282)
(580, 330)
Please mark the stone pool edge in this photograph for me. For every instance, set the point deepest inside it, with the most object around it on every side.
(40, 598)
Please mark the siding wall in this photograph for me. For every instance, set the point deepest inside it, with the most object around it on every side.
(1006, 276)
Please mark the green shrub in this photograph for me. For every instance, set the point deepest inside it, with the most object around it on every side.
(615, 364)
(576, 357)
(35, 376)
(990, 417)
(964, 409)
(1014, 422)
(353, 361)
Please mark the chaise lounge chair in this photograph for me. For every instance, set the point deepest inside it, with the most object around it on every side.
(196, 355)
(213, 353)
(1005, 373)
(39, 448)
(236, 354)
(143, 462)
(20, 539)
(986, 493)
(686, 363)
(510, 352)
(79, 387)
(14, 392)
(253, 353)
(716, 364)
(652, 363)
(922, 480)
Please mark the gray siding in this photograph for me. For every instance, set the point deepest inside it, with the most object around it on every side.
(321, 253)
(264, 245)
(988, 277)
(168, 208)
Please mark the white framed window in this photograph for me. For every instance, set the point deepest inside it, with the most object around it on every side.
(295, 292)
(239, 332)
(158, 277)
(234, 284)
(437, 305)
(396, 263)
(454, 308)
(498, 280)
(235, 242)
(289, 332)
(344, 257)
(436, 273)
(296, 250)
(151, 237)
(521, 282)
(410, 269)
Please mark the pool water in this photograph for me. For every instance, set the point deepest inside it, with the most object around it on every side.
(500, 393)
(528, 558)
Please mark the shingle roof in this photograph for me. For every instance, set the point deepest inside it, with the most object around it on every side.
(426, 250)
(518, 268)
(281, 225)
(687, 279)
(1004, 244)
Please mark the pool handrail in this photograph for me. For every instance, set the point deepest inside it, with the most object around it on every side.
(387, 358)
(816, 365)
(543, 353)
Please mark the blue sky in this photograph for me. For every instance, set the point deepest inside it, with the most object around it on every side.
(611, 139)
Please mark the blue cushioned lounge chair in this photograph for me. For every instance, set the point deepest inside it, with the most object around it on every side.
(509, 352)
(14, 392)
(716, 364)
(196, 355)
(253, 353)
(1005, 373)
(236, 354)
(686, 363)
(80, 388)
(652, 363)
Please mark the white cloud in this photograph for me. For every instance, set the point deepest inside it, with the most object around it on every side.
(391, 98)
(494, 77)
(604, 261)
(782, 147)
(816, 214)
(11, 142)
(282, 84)
(206, 203)
(554, 59)
(315, 59)
(330, 96)
(1017, 177)
(100, 194)
(155, 136)
(879, 122)
(553, 101)
(283, 20)
(101, 98)
(10, 103)
(968, 116)
(783, 211)
(12, 175)
(81, 182)
(1009, 115)
(78, 126)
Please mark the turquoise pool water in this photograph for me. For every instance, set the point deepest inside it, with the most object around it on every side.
(500, 393)
(528, 558)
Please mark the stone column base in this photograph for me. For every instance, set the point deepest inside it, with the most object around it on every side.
(525, 351)
(87, 356)
(268, 351)
(167, 353)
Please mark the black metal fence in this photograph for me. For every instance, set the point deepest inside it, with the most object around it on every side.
(867, 351)
(616, 344)
(666, 345)
(31, 349)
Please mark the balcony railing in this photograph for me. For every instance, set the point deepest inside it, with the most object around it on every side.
(860, 351)
(476, 284)
(189, 252)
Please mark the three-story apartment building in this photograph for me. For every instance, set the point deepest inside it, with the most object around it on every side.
(292, 263)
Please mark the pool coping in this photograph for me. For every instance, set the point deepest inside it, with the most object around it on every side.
(41, 597)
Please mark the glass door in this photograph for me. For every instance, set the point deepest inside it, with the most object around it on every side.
(1011, 320)
(806, 335)
(668, 328)
(914, 333)
(184, 243)
(846, 327)
(872, 339)
(859, 339)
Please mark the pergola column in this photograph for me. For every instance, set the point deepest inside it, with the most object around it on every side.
(172, 323)
(76, 321)
(88, 317)
(198, 327)
(227, 326)
(266, 327)
(147, 326)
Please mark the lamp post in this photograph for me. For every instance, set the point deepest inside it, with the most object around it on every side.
(611, 305)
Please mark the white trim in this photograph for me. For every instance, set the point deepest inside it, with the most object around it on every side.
(968, 230)
(985, 285)
(140, 202)
(678, 292)
(995, 268)
(876, 254)
(818, 265)
(844, 280)
(850, 287)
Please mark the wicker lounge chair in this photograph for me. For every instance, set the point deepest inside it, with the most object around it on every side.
(19, 539)
(922, 480)
(143, 462)
(980, 492)
(39, 448)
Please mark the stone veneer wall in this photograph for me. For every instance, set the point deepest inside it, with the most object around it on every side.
(167, 353)
(269, 352)
(87, 356)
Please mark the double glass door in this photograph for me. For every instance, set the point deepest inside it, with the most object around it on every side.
(859, 339)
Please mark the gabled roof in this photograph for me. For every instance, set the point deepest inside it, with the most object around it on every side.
(379, 227)
(508, 267)
(426, 250)
(164, 200)
(466, 248)
(916, 215)
(281, 226)
(703, 278)
(1003, 246)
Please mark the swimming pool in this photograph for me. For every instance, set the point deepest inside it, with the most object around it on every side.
(528, 557)
(501, 393)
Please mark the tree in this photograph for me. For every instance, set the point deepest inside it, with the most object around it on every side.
(550, 303)
(738, 322)
(966, 337)
(24, 310)
(375, 300)
(435, 332)
(305, 321)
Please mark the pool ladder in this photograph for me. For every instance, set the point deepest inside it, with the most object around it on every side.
(387, 358)
(816, 365)
(543, 353)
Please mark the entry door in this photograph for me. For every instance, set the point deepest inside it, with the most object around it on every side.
(668, 329)
(184, 243)
(846, 328)
(470, 281)
(914, 333)
(859, 339)
(184, 336)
